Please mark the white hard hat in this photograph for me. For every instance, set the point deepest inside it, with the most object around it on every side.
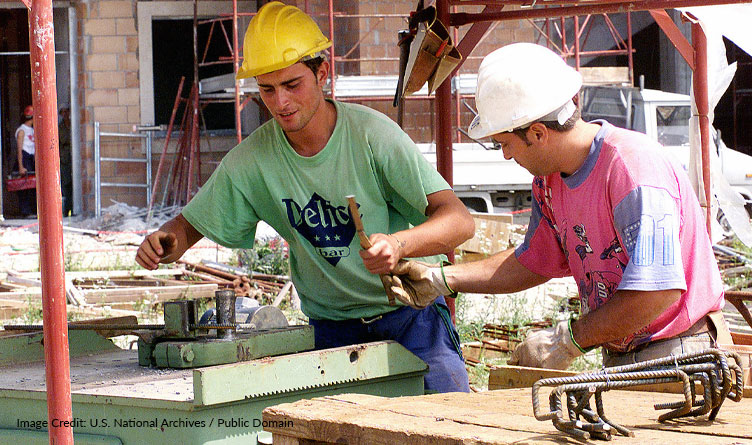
(519, 84)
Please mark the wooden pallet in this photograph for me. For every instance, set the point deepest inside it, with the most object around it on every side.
(492, 417)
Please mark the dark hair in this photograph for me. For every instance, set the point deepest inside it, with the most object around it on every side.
(553, 125)
(314, 64)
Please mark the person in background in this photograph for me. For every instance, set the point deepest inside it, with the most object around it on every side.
(295, 173)
(27, 199)
(610, 208)
(66, 172)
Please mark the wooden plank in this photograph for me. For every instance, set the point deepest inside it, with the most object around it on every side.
(487, 349)
(493, 417)
(157, 293)
(491, 234)
(12, 308)
(501, 377)
(110, 273)
(605, 75)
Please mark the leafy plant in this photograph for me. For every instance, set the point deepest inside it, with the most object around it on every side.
(269, 256)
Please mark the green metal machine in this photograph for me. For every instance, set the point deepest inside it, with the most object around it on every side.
(199, 387)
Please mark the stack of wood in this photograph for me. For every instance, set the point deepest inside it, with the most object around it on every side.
(127, 289)
(266, 288)
(496, 341)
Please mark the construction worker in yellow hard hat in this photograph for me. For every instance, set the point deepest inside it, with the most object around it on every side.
(277, 37)
(610, 208)
(295, 172)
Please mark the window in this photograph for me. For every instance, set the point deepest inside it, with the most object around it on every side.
(172, 43)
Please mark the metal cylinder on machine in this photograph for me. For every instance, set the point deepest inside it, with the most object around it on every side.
(225, 304)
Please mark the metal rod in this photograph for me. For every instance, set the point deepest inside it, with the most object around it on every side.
(461, 18)
(49, 211)
(444, 130)
(710, 368)
(97, 174)
(700, 89)
(235, 67)
(331, 50)
(86, 326)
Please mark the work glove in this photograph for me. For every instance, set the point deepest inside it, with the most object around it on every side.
(416, 284)
(551, 348)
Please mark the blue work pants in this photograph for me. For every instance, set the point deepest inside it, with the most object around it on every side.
(427, 333)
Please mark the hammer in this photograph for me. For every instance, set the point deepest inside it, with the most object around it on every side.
(365, 243)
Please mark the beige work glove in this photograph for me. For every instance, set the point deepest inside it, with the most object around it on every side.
(550, 348)
(416, 284)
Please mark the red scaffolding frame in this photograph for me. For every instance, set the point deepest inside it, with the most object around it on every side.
(41, 33)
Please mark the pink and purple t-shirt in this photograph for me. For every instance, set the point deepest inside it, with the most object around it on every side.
(627, 219)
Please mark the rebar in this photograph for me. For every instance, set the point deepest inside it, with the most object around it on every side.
(719, 378)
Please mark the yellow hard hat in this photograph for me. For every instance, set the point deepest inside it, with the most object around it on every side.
(278, 36)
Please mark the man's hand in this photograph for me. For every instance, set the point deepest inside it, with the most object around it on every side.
(550, 348)
(383, 255)
(155, 248)
(416, 284)
(21, 170)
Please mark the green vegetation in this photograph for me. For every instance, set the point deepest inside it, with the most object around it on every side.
(270, 256)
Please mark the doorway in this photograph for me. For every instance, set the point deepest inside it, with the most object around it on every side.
(16, 90)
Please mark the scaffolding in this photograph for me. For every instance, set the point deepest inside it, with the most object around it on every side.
(380, 88)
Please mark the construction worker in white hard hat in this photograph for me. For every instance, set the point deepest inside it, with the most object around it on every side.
(609, 208)
(295, 173)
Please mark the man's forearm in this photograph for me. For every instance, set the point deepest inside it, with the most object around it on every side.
(626, 313)
(186, 236)
(499, 274)
(448, 225)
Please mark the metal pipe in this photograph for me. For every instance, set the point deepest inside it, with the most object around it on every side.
(235, 63)
(175, 106)
(49, 212)
(97, 174)
(700, 88)
(463, 18)
(630, 56)
(576, 43)
(2, 173)
(75, 115)
(225, 304)
(444, 163)
(331, 49)
(457, 99)
(148, 165)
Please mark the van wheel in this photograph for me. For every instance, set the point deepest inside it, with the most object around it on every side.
(726, 229)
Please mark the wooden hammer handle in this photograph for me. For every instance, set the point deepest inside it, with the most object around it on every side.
(365, 243)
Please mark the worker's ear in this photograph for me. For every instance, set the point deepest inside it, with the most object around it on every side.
(537, 133)
(322, 73)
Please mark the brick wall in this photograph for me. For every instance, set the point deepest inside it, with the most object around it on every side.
(379, 23)
(365, 32)
(109, 88)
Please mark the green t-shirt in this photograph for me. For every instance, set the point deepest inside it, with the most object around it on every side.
(303, 199)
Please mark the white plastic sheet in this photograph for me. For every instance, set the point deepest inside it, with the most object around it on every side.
(731, 21)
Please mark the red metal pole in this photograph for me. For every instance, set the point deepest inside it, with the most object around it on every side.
(700, 88)
(166, 143)
(331, 50)
(444, 127)
(49, 210)
(576, 43)
(630, 57)
(463, 18)
(235, 65)
(457, 94)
